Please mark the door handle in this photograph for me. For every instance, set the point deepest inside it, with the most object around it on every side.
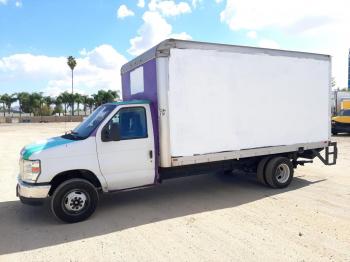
(150, 154)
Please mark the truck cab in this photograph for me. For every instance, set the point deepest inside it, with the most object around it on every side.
(110, 150)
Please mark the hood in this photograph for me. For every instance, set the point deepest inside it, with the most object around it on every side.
(39, 146)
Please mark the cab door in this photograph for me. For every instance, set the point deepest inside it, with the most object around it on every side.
(126, 158)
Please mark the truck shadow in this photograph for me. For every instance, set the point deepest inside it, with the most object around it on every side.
(25, 228)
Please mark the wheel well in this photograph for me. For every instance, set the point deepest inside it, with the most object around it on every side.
(77, 173)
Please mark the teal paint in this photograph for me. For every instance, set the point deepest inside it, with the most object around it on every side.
(38, 147)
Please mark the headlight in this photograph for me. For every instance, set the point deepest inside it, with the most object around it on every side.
(333, 122)
(29, 170)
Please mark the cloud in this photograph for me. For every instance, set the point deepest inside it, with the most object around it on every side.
(18, 4)
(195, 3)
(318, 25)
(268, 43)
(124, 11)
(252, 34)
(169, 8)
(96, 69)
(256, 15)
(3, 2)
(154, 30)
(141, 3)
(183, 36)
(218, 1)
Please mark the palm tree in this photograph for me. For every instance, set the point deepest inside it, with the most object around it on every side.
(3, 104)
(71, 62)
(78, 98)
(65, 99)
(84, 100)
(90, 101)
(35, 101)
(9, 100)
(103, 97)
(58, 105)
(24, 105)
(48, 101)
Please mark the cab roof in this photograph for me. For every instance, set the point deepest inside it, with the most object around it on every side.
(130, 102)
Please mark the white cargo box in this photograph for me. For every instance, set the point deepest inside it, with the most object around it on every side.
(220, 102)
(223, 101)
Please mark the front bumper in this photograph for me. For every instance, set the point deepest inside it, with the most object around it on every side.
(32, 191)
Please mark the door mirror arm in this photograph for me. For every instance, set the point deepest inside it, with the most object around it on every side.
(105, 136)
(110, 134)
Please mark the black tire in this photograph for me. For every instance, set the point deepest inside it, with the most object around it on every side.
(260, 171)
(279, 172)
(74, 194)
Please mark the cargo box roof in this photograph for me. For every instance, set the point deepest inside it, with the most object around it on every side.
(163, 50)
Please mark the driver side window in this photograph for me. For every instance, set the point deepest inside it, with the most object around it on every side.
(129, 123)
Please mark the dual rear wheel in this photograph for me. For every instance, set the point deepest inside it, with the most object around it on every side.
(276, 172)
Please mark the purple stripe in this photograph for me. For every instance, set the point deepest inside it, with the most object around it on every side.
(150, 93)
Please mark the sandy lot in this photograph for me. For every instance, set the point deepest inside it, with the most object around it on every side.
(204, 218)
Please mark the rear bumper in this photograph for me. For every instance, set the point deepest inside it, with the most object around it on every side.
(330, 154)
(32, 192)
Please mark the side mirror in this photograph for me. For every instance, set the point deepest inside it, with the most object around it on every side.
(114, 132)
(110, 133)
(105, 134)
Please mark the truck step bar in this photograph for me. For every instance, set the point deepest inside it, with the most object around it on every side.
(330, 155)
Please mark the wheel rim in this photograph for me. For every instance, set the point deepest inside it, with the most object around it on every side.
(75, 201)
(282, 173)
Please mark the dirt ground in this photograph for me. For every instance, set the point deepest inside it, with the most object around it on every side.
(203, 218)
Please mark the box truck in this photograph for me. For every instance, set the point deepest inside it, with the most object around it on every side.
(185, 112)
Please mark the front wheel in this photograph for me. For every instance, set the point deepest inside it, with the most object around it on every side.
(279, 172)
(74, 200)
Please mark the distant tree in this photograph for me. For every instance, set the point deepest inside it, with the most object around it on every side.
(78, 98)
(3, 104)
(48, 100)
(65, 99)
(71, 62)
(84, 100)
(9, 100)
(90, 102)
(103, 97)
(36, 101)
(58, 106)
(24, 102)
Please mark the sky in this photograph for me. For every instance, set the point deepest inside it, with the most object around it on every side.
(37, 36)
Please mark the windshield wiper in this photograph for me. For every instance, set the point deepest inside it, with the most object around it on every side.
(73, 134)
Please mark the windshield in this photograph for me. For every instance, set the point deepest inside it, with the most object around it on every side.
(85, 128)
(345, 112)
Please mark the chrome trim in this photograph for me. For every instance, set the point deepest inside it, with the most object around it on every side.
(32, 190)
(163, 114)
(237, 154)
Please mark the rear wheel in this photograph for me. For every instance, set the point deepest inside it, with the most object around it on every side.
(260, 172)
(279, 172)
(74, 200)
